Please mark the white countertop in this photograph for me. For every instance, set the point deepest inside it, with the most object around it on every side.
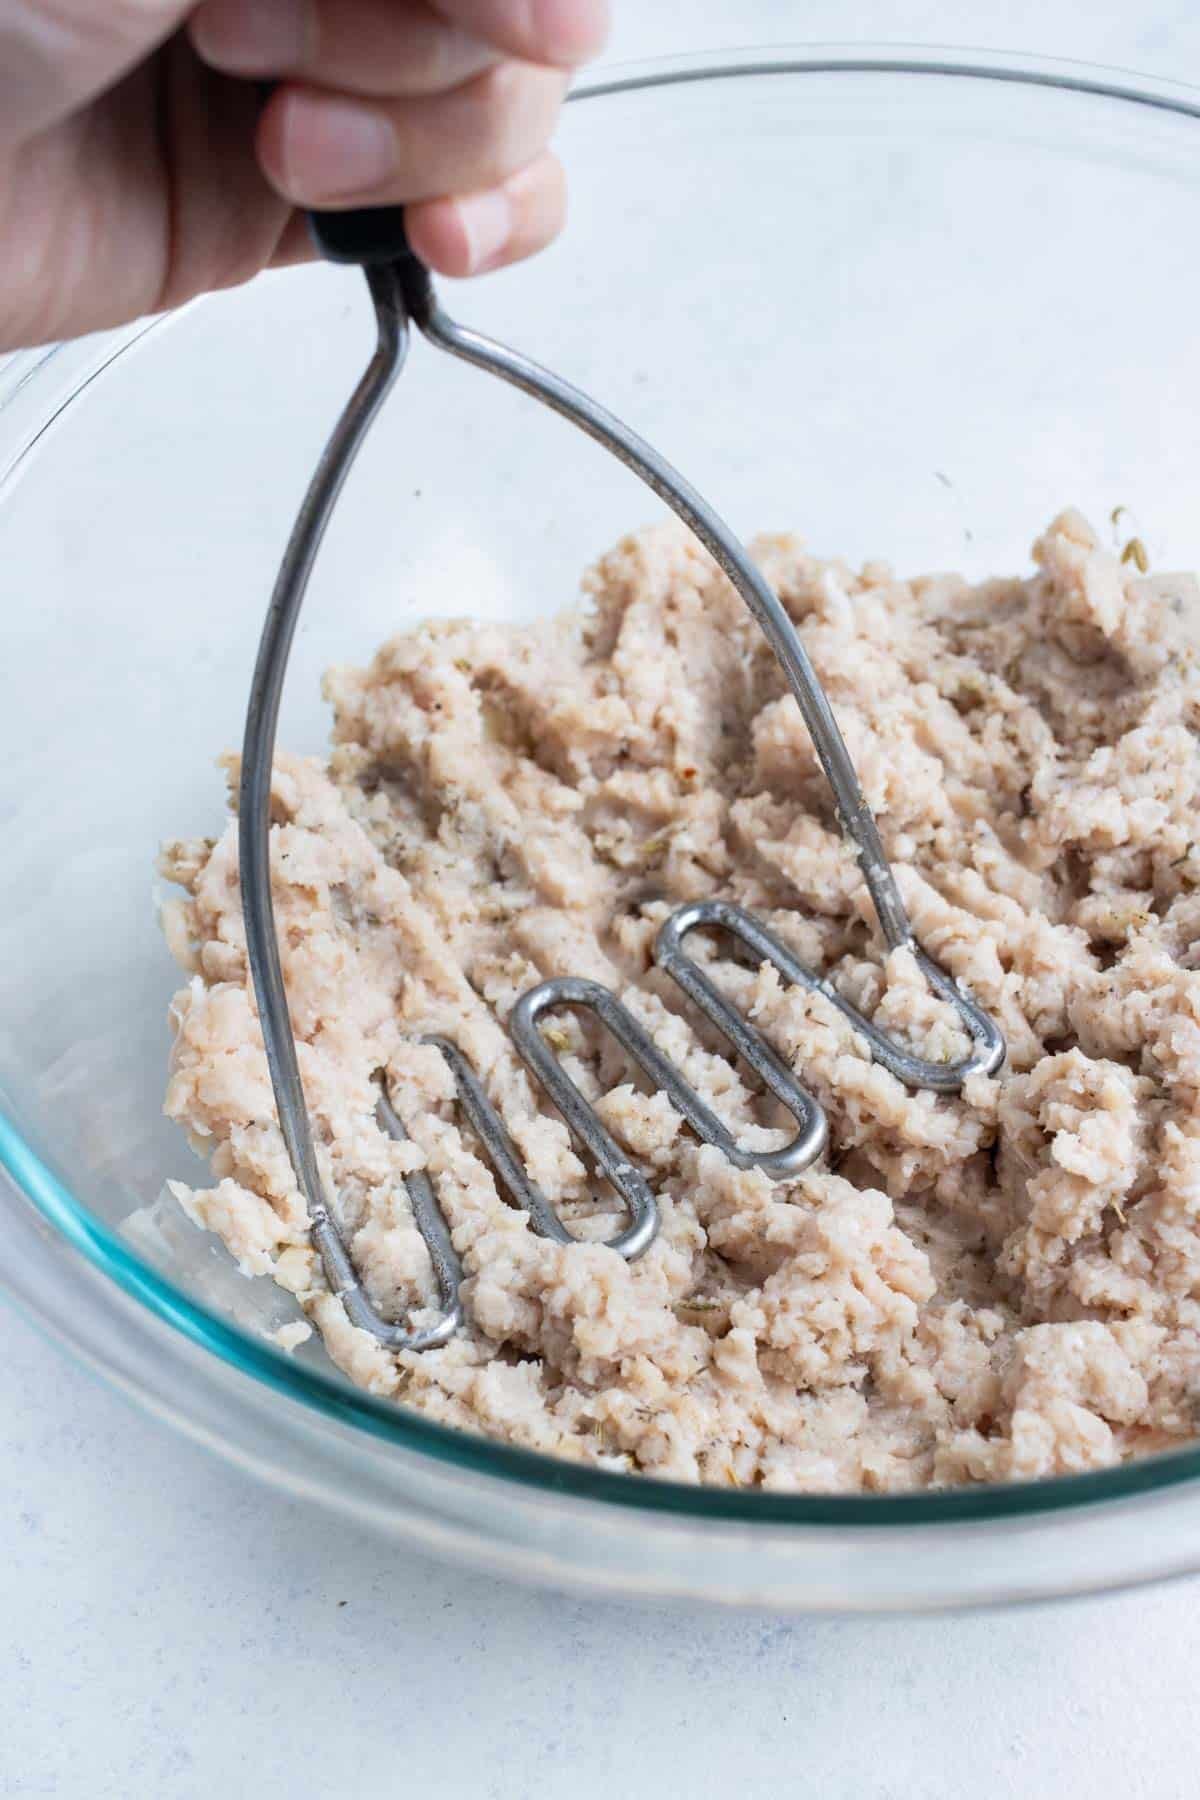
(169, 1629)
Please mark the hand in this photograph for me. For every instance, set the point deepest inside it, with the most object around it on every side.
(138, 167)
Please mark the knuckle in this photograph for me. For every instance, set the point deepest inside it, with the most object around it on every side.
(375, 46)
(514, 114)
(447, 51)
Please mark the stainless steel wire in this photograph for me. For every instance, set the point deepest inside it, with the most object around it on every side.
(401, 291)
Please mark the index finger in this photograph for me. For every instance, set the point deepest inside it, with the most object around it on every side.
(561, 33)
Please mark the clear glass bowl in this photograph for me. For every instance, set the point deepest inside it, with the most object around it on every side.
(910, 303)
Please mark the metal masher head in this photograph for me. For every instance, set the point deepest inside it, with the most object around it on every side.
(403, 295)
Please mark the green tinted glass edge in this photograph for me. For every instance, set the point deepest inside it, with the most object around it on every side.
(384, 1419)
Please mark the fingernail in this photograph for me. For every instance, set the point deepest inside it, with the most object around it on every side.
(252, 37)
(486, 221)
(335, 149)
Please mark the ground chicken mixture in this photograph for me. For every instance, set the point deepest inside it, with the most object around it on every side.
(982, 1287)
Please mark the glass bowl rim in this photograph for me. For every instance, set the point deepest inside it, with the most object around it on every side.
(385, 1420)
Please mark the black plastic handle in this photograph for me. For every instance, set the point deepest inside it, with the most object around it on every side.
(367, 236)
(374, 238)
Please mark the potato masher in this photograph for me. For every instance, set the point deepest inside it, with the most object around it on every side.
(402, 295)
